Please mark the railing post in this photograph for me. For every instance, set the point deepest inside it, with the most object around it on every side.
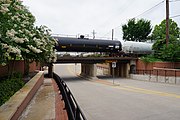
(150, 76)
(165, 75)
(77, 116)
(175, 77)
(157, 76)
(50, 70)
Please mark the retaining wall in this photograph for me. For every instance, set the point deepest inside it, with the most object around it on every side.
(18, 67)
(14, 107)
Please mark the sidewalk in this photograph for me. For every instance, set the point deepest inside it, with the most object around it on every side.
(46, 104)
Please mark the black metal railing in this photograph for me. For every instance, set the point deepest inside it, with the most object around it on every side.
(143, 72)
(159, 72)
(73, 110)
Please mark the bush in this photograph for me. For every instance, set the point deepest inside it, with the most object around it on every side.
(9, 86)
(149, 59)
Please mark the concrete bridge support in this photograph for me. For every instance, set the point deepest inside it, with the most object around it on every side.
(132, 66)
(89, 70)
(121, 70)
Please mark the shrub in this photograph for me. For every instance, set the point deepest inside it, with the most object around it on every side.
(9, 86)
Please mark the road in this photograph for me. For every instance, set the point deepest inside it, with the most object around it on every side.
(125, 100)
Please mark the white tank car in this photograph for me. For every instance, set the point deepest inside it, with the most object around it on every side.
(139, 48)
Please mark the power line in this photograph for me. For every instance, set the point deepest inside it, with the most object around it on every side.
(175, 16)
(174, 1)
(150, 9)
(142, 13)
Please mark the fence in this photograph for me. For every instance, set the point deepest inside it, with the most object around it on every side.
(73, 110)
(158, 75)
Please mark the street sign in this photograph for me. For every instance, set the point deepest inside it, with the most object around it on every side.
(113, 64)
(110, 61)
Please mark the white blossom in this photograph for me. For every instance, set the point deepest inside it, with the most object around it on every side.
(20, 31)
(27, 51)
(54, 58)
(19, 40)
(18, 19)
(5, 46)
(50, 60)
(11, 49)
(15, 17)
(27, 31)
(6, 54)
(14, 50)
(3, 64)
(11, 33)
(4, 8)
(23, 16)
(10, 14)
(17, 7)
(26, 40)
(34, 49)
(31, 35)
(25, 22)
(6, 1)
(22, 25)
(15, 25)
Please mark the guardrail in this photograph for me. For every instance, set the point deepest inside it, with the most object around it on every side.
(73, 110)
(160, 72)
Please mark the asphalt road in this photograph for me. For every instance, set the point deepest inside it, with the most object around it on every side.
(125, 100)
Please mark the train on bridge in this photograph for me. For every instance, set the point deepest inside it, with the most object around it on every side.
(113, 47)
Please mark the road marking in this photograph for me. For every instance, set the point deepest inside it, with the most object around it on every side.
(154, 92)
(137, 89)
(132, 88)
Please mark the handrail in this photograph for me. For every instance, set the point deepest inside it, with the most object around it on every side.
(157, 72)
(73, 110)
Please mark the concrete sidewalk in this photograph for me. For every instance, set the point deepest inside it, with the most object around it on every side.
(42, 106)
(46, 104)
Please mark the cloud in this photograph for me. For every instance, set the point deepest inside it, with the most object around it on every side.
(82, 16)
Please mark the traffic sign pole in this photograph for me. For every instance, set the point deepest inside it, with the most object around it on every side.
(113, 76)
(113, 66)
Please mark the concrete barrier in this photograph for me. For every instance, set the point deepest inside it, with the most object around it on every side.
(14, 107)
(154, 78)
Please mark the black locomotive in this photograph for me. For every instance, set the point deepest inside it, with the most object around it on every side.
(69, 44)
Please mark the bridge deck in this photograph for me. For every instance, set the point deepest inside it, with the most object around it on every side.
(93, 59)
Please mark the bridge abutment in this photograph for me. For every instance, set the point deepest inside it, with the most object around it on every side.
(89, 70)
(121, 70)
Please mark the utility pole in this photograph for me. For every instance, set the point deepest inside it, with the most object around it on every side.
(93, 34)
(167, 22)
(112, 34)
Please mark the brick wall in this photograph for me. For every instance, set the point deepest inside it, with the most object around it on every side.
(140, 65)
(159, 68)
(18, 67)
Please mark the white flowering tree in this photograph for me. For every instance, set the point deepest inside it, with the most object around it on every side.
(20, 39)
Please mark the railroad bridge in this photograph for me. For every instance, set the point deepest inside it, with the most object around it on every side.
(88, 64)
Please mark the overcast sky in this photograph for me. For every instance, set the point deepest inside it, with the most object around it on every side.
(73, 17)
